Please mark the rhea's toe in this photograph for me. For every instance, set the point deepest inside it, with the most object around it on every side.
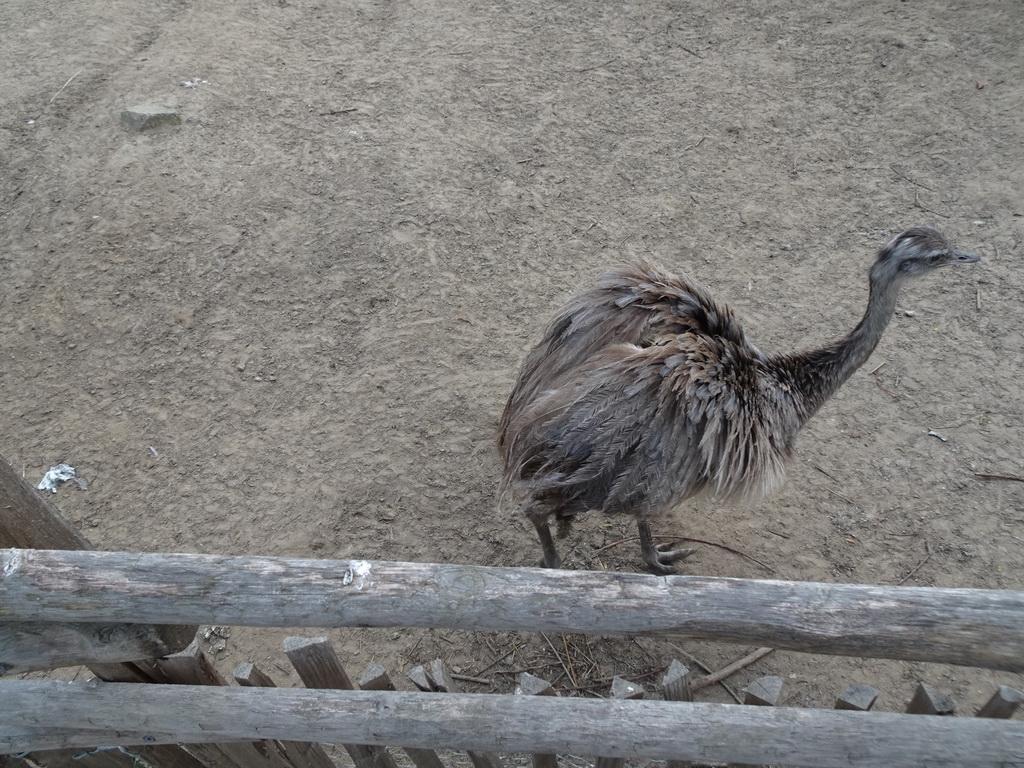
(667, 555)
(661, 559)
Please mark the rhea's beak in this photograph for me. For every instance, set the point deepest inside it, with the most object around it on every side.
(961, 257)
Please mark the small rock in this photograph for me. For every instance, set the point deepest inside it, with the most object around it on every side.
(146, 118)
(909, 312)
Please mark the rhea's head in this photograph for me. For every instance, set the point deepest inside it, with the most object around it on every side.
(915, 252)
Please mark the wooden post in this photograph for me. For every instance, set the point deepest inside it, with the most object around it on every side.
(418, 676)
(301, 754)
(111, 651)
(930, 701)
(623, 690)
(763, 692)
(435, 678)
(51, 714)
(677, 686)
(376, 678)
(530, 685)
(29, 521)
(1003, 704)
(319, 667)
(843, 619)
(192, 667)
(860, 698)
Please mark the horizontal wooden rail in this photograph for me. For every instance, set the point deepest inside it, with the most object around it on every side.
(50, 714)
(976, 627)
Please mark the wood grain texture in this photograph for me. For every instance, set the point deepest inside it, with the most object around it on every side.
(29, 520)
(1004, 703)
(376, 678)
(30, 645)
(48, 714)
(975, 627)
(319, 666)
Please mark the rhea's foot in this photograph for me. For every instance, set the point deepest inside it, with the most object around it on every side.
(660, 560)
(659, 557)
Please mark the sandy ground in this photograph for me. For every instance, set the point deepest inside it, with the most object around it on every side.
(288, 326)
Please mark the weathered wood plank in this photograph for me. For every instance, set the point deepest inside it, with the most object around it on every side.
(531, 685)
(860, 698)
(318, 665)
(418, 676)
(31, 645)
(162, 755)
(930, 701)
(716, 733)
(622, 690)
(763, 692)
(1004, 703)
(300, 754)
(959, 626)
(376, 678)
(29, 520)
(434, 677)
(193, 668)
(677, 686)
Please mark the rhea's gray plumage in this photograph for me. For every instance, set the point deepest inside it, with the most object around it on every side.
(644, 391)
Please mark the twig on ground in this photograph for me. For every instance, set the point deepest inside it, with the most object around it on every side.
(886, 389)
(561, 661)
(531, 670)
(695, 144)
(783, 535)
(731, 669)
(65, 85)
(501, 658)
(825, 472)
(992, 476)
(840, 496)
(916, 568)
(707, 670)
(598, 66)
(696, 541)
(601, 681)
(469, 679)
(877, 368)
(904, 176)
(923, 207)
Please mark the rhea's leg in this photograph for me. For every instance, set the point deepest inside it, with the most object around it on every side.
(539, 517)
(659, 559)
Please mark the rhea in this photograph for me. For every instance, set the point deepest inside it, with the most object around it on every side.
(645, 391)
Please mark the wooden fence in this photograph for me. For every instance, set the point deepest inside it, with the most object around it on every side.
(111, 611)
(69, 589)
(242, 727)
(55, 593)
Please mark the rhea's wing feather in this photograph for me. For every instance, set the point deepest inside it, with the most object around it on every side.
(641, 429)
(595, 442)
(639, 305)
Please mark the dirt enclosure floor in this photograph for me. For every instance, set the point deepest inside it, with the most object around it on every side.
(288, 325)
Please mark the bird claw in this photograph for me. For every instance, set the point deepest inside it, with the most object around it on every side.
(664, 556)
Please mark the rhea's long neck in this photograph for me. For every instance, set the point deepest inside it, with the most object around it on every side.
(816, 374)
